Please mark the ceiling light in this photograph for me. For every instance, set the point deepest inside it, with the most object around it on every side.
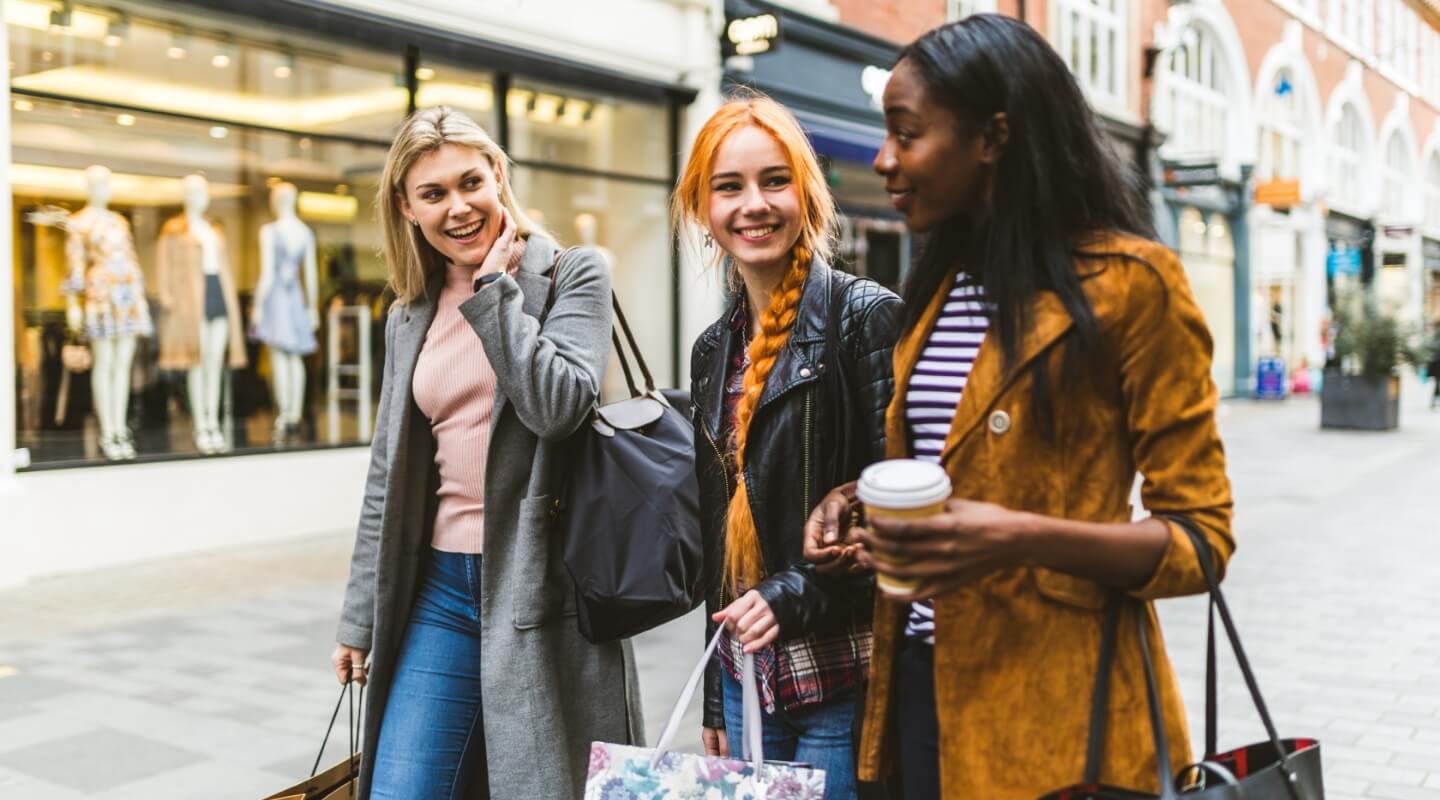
(304, 142)
(179, 45)
(116, 29)
(61, 17)
(47, 56)
(342, 189)
(219, 132)
(424, 74)
(125, 120)
(272, 181)
(220, 61)
(24, 105)
(285, 68)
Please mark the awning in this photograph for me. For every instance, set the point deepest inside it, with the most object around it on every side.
(841, 140)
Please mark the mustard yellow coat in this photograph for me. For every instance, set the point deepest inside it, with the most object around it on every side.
(1015, 653)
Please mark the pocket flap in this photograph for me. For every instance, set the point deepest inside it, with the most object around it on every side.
(1070, 590)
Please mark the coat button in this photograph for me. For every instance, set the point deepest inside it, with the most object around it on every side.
(999, 422)
(804, 372)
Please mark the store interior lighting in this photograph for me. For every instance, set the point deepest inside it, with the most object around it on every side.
(179, 45)
(40, 16)
(66, 183)
(286, 68)
(125, 120)
(424, 74)
(117, 30)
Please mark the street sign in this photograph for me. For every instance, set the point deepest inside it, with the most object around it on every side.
(1278, 193)
(1204, 174)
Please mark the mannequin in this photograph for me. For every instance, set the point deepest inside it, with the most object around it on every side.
(587, 228)
(286, 314)
(100, 254)
(203, 318)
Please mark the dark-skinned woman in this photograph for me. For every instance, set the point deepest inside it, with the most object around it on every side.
(1052, 352)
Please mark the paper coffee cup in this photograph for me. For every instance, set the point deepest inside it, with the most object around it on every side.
(901, 488)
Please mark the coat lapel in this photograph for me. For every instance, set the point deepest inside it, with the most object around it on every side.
(409, 339)
(1048, 321)
(906, 356)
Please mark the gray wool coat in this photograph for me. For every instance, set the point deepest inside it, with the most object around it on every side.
(546, 691)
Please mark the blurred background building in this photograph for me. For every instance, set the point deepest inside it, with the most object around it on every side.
(1288, 147)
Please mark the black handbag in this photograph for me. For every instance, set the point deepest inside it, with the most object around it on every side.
(629, 513)
(1275, 769)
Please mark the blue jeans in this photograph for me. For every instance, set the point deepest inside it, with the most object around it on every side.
(432, 742)
(818, 735)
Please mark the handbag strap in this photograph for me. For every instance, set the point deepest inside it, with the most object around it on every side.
(614, 335)
(1205, 554)
(1100, 702)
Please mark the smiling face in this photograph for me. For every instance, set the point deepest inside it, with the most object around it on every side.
(753, 206)
(933, 170)
(453, 192)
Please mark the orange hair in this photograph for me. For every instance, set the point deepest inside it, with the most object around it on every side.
(744, 563)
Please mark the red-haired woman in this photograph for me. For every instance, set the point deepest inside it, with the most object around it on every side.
(790, 387)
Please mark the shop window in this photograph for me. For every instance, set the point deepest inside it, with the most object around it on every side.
(1280, 126)
(468, 91)
(122, 121)
(1348, 155)
(960, 9)
(1091, 37)
(628, 222)
(593, 132)
(1432, 193)
(1397, 173)
(1193, 105)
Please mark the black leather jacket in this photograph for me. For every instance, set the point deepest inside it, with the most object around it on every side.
(820, 420)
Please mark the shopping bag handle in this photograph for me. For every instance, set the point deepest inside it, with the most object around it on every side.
(345, 691)
(752, 744)
(1205, 555)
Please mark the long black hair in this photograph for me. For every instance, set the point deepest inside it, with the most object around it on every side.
(1055, 182)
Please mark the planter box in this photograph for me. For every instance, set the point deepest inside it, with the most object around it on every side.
(1358, 402)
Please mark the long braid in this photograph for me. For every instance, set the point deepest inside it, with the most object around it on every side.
(744, 564)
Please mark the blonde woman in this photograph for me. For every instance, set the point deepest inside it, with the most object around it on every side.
(480, 683)
(789, 387)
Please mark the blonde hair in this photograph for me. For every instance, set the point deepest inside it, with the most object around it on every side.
(744, 562)
(410, 257)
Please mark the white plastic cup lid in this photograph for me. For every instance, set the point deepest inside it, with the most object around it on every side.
(901, 483)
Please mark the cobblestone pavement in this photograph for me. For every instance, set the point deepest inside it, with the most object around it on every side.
(207, 677)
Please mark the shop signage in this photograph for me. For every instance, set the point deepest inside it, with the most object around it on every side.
(1278, 193)
(1342, 260)
(873, 80)
(1399, 231)
(1177, 175)
(749, 36)
(1270, 379)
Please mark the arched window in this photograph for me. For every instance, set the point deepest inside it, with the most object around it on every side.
(1090, 36)
(1398, 169)
(1347, 155)
(1280, 128)
(1432, 193)
(1194, 110)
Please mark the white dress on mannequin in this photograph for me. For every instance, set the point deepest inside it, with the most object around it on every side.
(286, 315)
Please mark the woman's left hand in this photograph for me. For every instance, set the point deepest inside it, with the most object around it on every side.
(962, 544)
(750, 620)
(499, 256)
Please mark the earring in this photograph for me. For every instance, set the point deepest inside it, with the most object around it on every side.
(709, 240)
(415, 222)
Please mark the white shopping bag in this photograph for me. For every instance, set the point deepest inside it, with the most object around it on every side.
(622, 772)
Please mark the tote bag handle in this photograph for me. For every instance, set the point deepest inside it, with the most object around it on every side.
(752, 744)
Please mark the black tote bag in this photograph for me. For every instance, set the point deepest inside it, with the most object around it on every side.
(629, 509)
(1275, 769)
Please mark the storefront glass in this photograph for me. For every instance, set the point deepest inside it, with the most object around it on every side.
(115, 108)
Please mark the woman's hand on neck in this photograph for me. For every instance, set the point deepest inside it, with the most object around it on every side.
(760, 281)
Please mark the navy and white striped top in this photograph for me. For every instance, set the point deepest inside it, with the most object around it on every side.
(934, 392)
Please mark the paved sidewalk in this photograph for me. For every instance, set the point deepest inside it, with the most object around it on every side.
(207, 677)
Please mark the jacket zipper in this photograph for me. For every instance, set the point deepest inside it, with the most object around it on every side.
(805, 461)
(724, 471)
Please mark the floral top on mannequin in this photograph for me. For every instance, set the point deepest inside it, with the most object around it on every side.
(286, 312)
(103, 268)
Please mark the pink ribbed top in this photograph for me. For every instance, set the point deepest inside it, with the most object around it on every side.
(454, 387)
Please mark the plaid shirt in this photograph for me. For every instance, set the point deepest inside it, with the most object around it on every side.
(802, 671)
